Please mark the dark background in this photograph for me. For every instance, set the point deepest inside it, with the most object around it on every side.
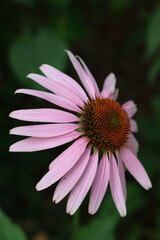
(120, 36)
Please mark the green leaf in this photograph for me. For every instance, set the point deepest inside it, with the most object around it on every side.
(9, 230)
(28, 52)
(98, 229)
(153, 34)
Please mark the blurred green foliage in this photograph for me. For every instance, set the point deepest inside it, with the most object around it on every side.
(8, 230)
(118, 7)
(153, 43)
(153, 35)
(29, 52)
(111, 36)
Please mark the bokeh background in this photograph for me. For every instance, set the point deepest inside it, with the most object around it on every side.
(120, 36)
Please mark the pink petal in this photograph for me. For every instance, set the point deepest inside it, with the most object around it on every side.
(122, 175)
(44, 115)
(56, 75)
(55, 99)
(132, 143)
(44, 130)
(114, 95)
(69, 180)
(134, 127)
(116, 187)
(135, 168)
(83, 185)
(130, 108)
(57, 88)
(33, 144)
(63, 163)
(90, 76)
(105, 93)
(86, 81)
(99, 185)
(110, 82)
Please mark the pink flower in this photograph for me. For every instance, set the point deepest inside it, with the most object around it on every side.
(100, 132)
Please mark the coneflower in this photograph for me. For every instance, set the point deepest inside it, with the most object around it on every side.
(100, 132)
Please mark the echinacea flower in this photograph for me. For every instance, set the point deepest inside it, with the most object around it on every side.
(100, 132)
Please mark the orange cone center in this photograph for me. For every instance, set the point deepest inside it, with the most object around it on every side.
(106, 124)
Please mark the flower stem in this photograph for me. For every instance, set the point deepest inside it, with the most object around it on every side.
(75, 225)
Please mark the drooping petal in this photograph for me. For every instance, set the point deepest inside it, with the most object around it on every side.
(86, 81)
(56, 75)
(44, 130)
(132, 143)
(63, 163)
(130, 108)
(135, 168)
(83, 185)
(33, 144)
(44, 115)
(90, 76)
(69, 180)
(55, 99)
(116, 187)
(57, 88)
(110, 83)
(99, 185)
(134, 127)
(122, 175)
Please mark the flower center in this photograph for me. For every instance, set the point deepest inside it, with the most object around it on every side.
(106, 124)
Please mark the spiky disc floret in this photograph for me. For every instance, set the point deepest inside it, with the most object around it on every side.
(106, 124)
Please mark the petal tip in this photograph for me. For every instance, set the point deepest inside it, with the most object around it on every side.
(91, 211)
(38, 188)
(67, 211)
(148, 185)
(42, 66)
(55, 199)
(29, 75)
(71, 212)
(12, 149)
(10, 115)
(112, 74)
(123, 215)
(123, 212)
